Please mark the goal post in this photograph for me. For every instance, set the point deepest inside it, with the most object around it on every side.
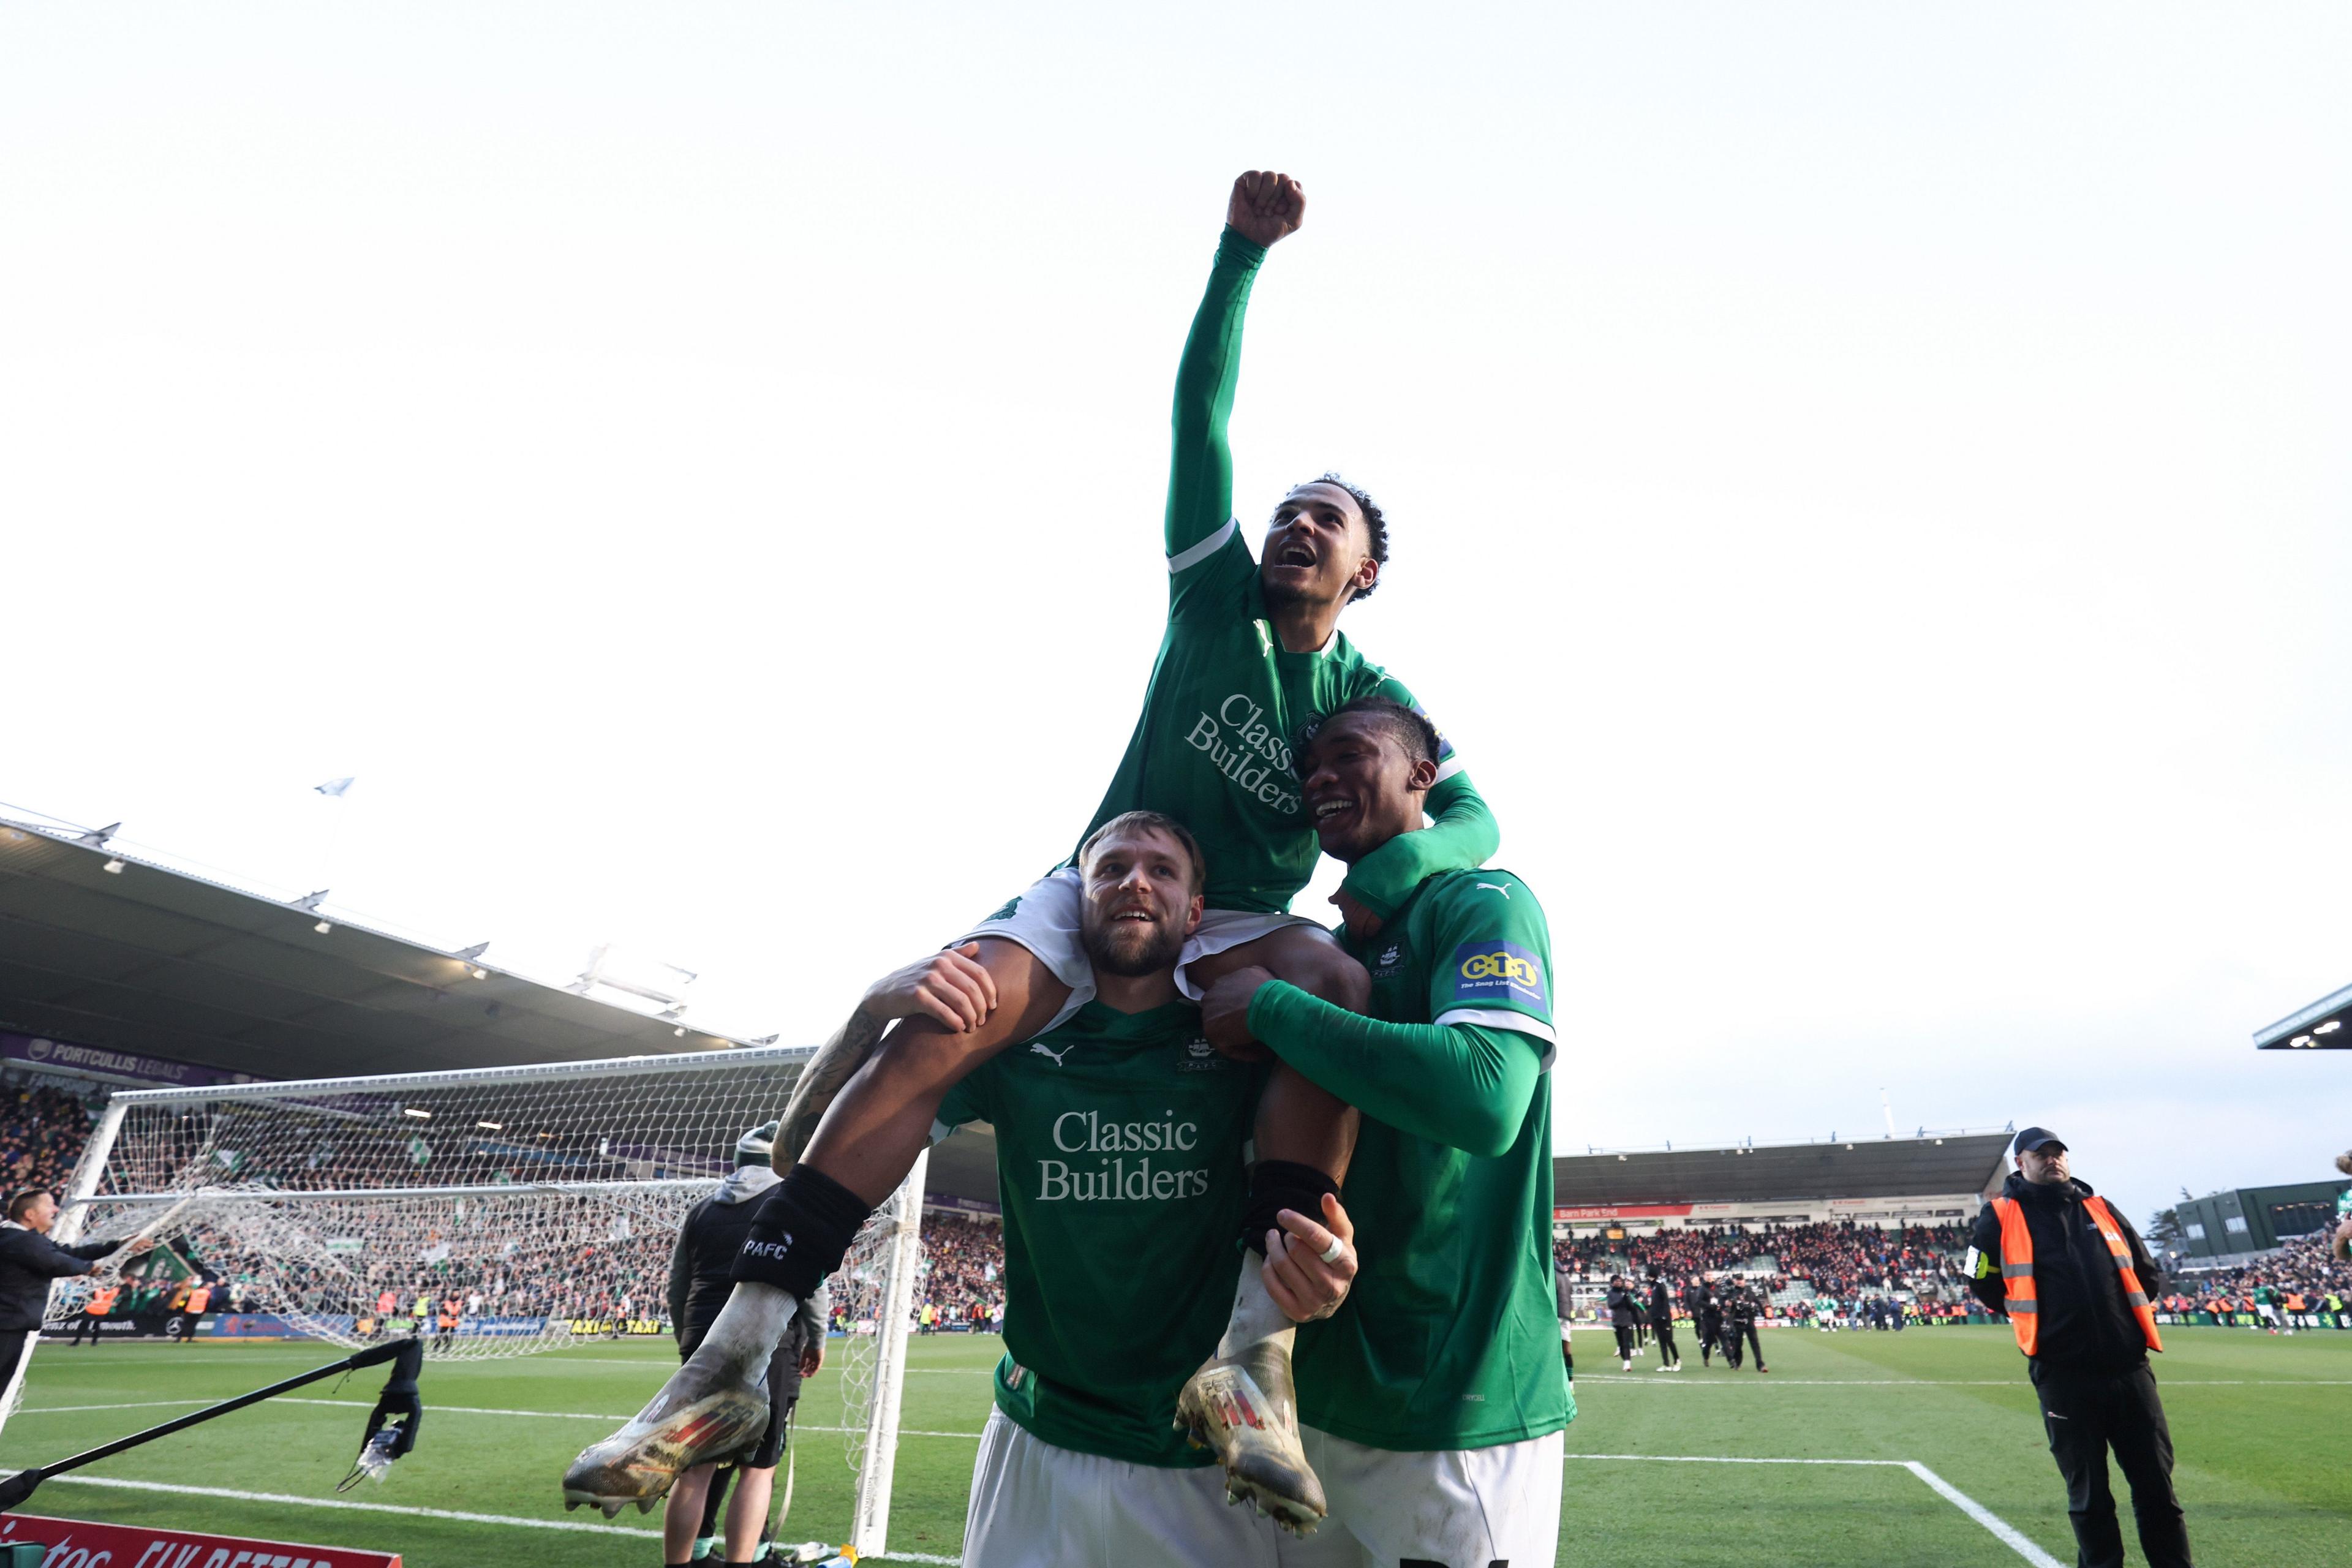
(494, 1212)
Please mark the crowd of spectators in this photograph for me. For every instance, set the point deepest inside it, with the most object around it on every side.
(963, 1270)
(2303, 1271)
(1840, 1260)
(42, 1131)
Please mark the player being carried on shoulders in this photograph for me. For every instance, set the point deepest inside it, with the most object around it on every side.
(1251, 658)
(1432, 1400)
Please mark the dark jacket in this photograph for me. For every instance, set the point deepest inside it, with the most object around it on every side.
(1559, 1289)
(1624, 1310)
(1739, 1305)
(29, 1262)
(1662, 1307)
(2086, 1322)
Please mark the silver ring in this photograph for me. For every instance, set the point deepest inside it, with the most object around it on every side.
(1336, 1251)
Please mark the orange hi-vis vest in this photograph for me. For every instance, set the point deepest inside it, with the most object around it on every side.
(102, 1302)
(2017, 1271)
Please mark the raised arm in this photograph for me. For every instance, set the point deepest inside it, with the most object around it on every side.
(1262, 209)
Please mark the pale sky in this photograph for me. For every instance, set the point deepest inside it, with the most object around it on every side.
(1869, 488)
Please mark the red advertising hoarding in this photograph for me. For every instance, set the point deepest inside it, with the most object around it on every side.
(81, 1543)
(1623, 1211)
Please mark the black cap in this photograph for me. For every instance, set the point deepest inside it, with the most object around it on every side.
(2035, 1137)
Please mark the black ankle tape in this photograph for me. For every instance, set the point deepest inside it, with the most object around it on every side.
(1276, 1186)
(799, 1232)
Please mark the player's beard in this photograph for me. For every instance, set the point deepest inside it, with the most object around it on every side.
(1130, 948)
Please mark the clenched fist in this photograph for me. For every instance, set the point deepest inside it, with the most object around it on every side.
(1266, 206)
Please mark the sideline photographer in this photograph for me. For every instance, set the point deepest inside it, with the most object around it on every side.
(2075, 1282)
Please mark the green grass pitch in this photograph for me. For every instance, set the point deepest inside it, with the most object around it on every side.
(2254, 1417)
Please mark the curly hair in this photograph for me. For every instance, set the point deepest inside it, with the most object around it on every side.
(1415, 736)
(1376, 524)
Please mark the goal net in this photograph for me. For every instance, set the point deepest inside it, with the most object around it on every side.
(496, 1213)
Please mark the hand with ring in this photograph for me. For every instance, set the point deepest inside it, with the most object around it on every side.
(1308, 1271)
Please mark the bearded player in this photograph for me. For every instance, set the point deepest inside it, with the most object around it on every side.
(1119, 1141)
(1251, 654)
(1432, 1402)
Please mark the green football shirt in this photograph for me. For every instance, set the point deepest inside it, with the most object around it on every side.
(1226, 705)
(1119, 1164)
(1448, 1338)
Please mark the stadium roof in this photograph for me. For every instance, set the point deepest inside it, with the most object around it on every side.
(100, 948)
(2319, 1026)
(1923, 1166)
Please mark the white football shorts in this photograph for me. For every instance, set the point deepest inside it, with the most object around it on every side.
(1045, 920)
(1465, 1508)
(1035, 1505)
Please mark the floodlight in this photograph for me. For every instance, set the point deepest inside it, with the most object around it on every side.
(113, 865)
(2299, 1040)
(679, 1031)
(323, 927)
(2329, 1028)
(480, 974)
(491, 1126)
(420, 1115)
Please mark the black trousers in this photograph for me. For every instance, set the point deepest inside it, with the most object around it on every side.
(1624, 1341)
(1668, 1355)
(1708, 1333)
(2087, 1415)
(1734, 1333)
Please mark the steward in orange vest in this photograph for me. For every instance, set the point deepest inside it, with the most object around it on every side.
(2076, 1283)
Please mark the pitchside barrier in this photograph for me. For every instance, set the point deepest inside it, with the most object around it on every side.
(527, 1208)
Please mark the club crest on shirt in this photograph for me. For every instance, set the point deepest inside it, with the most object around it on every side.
(1199, 1056)
(1389, 960)
(1498, 971)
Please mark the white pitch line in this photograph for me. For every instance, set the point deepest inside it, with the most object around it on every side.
(462, 1517)
(456, 1410)
(2007, 1533)
(1945, 1381)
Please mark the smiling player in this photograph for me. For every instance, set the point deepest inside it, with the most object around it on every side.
(1432, 1400)
(1251, 655)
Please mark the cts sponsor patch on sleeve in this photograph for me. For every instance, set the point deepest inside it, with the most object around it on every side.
(1499, 972)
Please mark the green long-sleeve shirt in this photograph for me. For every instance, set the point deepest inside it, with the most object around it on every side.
(1215, 744)
(1447, 1339)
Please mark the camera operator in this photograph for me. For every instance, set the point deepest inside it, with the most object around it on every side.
(2076, 1281)
(1740, 1309)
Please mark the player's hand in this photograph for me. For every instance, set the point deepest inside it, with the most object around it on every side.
(1302, 1283)
(138, 1245)
(1225, 1013)
(1266, 206)
(953, 986)
(1362, 924)
(812, 1355)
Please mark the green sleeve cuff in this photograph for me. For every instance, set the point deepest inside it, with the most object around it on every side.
(1234, 245)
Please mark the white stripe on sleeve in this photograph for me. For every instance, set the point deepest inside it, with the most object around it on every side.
(1185, 560)
(1503, 1019)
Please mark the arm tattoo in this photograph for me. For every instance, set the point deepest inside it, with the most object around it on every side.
(835, 1063)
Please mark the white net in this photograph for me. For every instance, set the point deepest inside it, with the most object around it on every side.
(493, 1214)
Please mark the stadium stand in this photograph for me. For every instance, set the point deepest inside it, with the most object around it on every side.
(1842, 1221)
(42, 1129)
